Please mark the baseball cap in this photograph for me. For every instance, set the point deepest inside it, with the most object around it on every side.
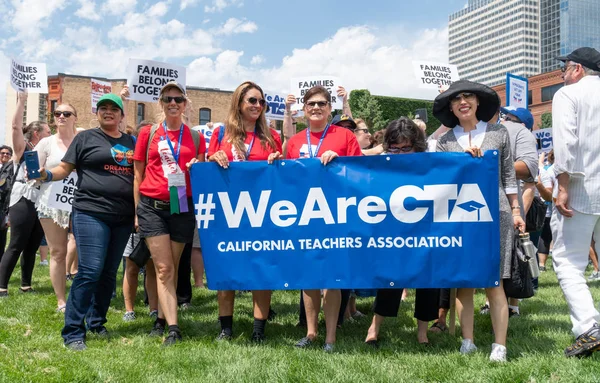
(586, 56)
(112, 98)
(524, 115)
(343, 117)
(173, 84)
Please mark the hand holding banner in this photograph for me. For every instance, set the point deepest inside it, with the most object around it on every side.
(30, 77)
(432, 75)
(62, 192)
(300, 85)
(145, 78)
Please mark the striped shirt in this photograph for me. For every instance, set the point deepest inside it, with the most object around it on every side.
(576, 140)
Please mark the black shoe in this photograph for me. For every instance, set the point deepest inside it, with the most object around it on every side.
(172, 338)
(258, 337)
(100, 332)
(225, 335)
(3, 294)
(157, 330)
(513, 313)
(272, 315)
(586, 343)
(373, 343)
(542, 268)
(304, 342)
(77, 345)
(485, 309)
(27, 291)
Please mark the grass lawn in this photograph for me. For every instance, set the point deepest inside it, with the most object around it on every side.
(31, 346)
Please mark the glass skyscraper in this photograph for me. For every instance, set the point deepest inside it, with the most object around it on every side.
(565, 26)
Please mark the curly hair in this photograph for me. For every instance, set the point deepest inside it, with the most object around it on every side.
(404, 129)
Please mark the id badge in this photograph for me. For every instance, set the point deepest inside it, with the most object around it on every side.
(176, 179)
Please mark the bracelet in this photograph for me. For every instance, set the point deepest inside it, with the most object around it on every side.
(49, 176)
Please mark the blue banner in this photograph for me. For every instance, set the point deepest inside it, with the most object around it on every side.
(417, 221)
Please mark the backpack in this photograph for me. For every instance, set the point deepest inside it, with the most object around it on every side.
(195, 138)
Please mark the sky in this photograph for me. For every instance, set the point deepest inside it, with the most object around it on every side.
(222, 43)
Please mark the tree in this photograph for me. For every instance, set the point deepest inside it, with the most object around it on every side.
(546, 121)
(365, 106)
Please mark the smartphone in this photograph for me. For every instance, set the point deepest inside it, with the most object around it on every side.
(33, 164)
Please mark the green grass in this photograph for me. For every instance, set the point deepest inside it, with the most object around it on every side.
(31, 346)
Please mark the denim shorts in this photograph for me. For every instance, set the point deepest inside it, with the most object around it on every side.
(153, 222)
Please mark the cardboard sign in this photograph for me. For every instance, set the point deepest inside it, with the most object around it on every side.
(99, 88)
(516, 91)
(62, 192)
(276, 104)
(433, 75)
(300, 85)
(544, 140)
(30, 77)
(146, 78)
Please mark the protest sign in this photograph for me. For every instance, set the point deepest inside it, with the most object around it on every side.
(62, 192)
(30, 77)
(276, 104)
(544, 140)
(145, 78)
(300, 85)
(432, 75)
(359, 222)
(516, 91)
(206, 131)
(99, 88)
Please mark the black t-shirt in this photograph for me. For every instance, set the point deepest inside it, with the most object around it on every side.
(105, 172)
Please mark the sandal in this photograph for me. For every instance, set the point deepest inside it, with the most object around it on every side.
(438, 327)
(61, 309)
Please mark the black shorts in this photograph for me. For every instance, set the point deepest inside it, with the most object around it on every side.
(153, 222)
(545, 237)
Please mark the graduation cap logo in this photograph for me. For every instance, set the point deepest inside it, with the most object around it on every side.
(472, 206)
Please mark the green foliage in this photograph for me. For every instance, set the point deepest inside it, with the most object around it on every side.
(365, 106)
(546, 121)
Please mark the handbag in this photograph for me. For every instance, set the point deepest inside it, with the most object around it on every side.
(534, 221)
(140, 254)
(519, 285)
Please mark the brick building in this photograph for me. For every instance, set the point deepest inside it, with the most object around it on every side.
(542, 88)
(208, 104)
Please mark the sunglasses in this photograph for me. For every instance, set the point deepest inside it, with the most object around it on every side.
(57, 113)
(364, 130)
(566, 67)
(404, 149)
(5, 154)
(177, 99)
(254, 101)
(466, 96)
(320, 104)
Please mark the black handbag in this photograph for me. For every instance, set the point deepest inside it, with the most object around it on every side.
(534, 221)
(519, 285)
(140, 254)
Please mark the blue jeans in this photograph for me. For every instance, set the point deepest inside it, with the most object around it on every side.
(101, 239)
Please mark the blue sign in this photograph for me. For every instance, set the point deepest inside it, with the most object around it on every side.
(421, 220)
(517, 91)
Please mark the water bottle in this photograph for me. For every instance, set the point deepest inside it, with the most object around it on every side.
(530, 250)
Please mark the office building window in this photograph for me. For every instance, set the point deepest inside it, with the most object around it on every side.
(549, 91)
(204, 116)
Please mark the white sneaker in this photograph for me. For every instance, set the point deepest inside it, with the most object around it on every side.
(595, 276)
(498, 353)
(467, 347)
(44, 263)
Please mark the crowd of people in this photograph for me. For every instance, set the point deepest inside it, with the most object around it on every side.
(134, 192)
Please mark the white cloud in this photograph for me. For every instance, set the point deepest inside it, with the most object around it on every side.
(234, 26)
(119, 7)
(257, 60)
(187, 3)
(87, 10)
(158, 10)
(220, 5)
(81, 37)
(31, 16)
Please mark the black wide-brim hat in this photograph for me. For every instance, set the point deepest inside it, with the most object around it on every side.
(489, 102)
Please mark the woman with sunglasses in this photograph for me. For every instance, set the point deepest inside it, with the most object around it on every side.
(465, 107)
(403, 136)
(55, 222)
(25, 232)
(325, 141)
(246, 138)
(162, 191)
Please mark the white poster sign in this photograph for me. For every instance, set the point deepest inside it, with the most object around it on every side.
(300, 85)
(431, 75)
(99, 88)
(544, 140)
(276, 104)
(145, 78)
(207, 131)
(30, 77)
(62, 192)
(516, 91)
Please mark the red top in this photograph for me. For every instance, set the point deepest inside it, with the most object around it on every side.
(340, 140)
(258, 152)
(161, 161)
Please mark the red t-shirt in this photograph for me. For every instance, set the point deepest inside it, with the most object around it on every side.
(340, 140)
(161, 161)
(258, 152)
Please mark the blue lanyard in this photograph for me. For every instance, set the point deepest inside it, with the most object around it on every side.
(175, 156)
(310, 152)
(251, 144)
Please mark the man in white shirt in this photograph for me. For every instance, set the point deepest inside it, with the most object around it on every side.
(576, 136)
